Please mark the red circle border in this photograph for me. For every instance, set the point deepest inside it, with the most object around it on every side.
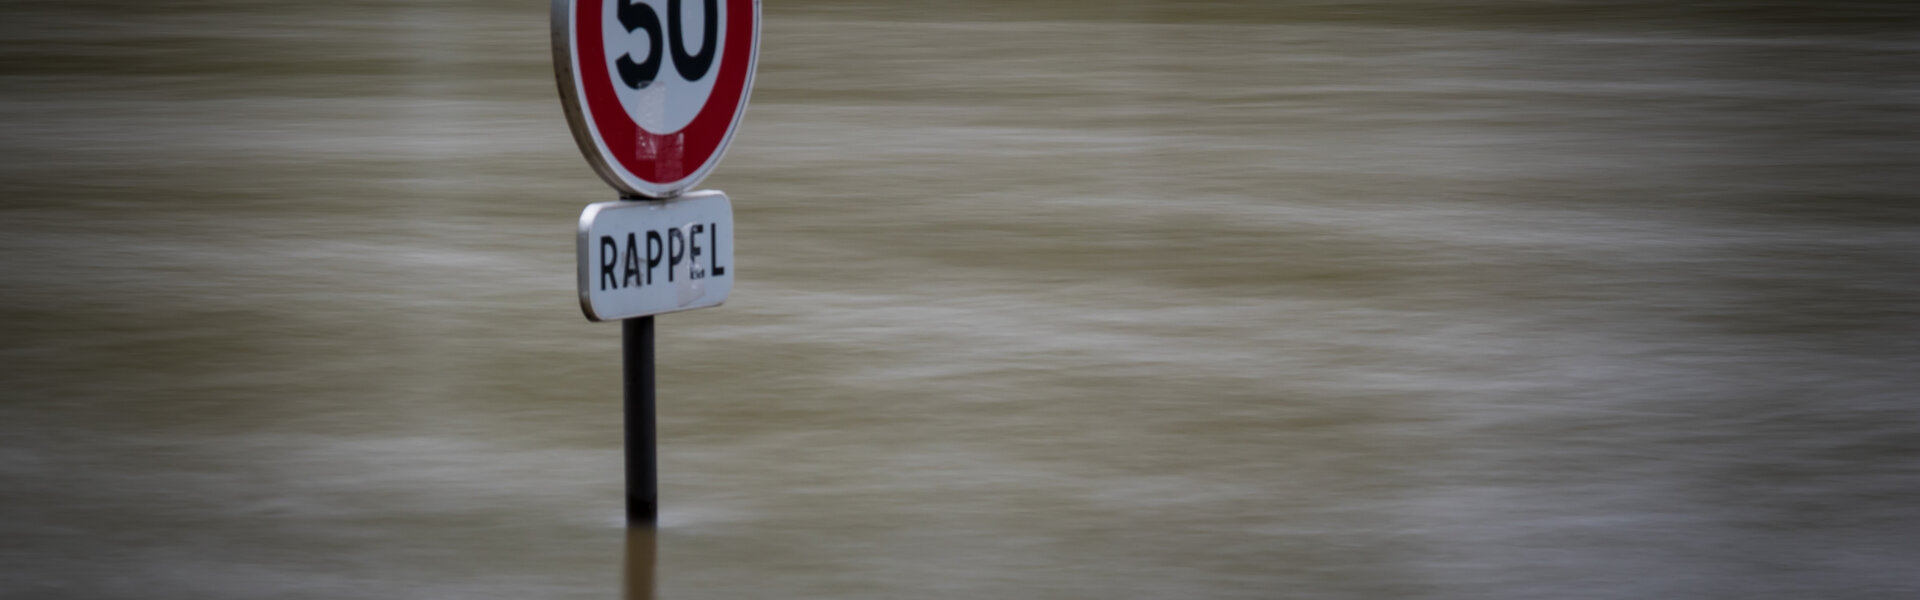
(664, 158)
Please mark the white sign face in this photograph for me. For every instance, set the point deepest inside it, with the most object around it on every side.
(653, 89)
(661, 98)
(640, 258)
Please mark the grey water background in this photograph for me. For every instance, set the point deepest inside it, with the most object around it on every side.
(1331, 299)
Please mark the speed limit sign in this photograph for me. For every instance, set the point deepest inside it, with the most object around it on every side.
(653, 89)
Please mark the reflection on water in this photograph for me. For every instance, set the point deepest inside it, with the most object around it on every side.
(1477, 299)
(637, 574)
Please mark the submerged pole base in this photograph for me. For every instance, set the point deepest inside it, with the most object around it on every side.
(641, 512)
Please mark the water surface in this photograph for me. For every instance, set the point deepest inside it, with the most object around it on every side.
(1342, 299)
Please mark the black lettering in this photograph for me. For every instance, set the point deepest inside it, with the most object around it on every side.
(691, 66)
(609, 254)
(695, 270)
(630, 276)
(640, 16)
(713, 239)
(676, 250)
(654, 246)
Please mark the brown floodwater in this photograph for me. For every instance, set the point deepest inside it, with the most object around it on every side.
(1333, 299)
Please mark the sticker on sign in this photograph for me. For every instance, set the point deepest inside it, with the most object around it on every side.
(640, 258)
(654, 89)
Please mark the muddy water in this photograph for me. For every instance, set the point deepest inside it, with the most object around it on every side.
(1064, 300)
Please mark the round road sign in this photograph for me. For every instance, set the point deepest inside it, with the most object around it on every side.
(653, 89)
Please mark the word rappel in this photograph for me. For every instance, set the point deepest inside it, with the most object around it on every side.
(678, 247)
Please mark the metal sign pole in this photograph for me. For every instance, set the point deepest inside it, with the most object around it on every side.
(675, 252)
(636, 354)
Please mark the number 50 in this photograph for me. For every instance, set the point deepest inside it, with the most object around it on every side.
(690, 66)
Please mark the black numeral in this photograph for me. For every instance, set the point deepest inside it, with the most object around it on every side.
(691, 67)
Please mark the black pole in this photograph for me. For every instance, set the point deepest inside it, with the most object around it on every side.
(636, 341)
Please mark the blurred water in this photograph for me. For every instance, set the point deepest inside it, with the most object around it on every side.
(1476, 299)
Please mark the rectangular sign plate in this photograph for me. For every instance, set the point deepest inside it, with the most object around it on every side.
(647, 257)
